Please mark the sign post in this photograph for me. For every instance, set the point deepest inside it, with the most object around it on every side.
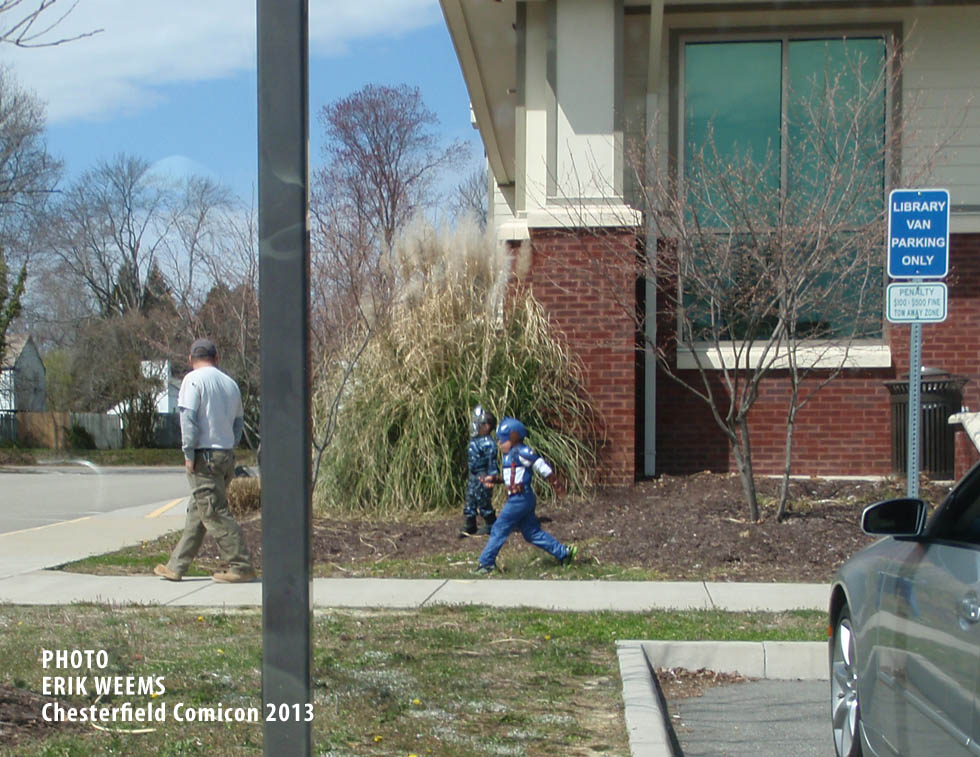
(918, 248)
(284, 328)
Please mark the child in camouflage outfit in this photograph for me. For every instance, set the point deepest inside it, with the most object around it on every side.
(481, 456)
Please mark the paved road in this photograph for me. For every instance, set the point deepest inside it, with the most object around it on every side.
(41, 495)
(758, 718)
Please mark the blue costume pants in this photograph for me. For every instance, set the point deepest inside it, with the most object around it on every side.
(518, 513)
(478, 499)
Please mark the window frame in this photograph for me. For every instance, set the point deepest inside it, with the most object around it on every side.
(862, 353)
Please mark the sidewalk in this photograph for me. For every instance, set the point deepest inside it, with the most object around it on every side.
(50, 587)
(26, 559)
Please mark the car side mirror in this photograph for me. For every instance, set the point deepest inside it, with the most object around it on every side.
(895, 517)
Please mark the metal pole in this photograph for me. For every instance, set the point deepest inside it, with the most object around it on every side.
(915, 405)
(283, 118)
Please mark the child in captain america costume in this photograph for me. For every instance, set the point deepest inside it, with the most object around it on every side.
(519, 464)
(481, 454)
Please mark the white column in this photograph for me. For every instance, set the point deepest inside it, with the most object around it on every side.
(532, 193)
(585, 78)
(654, 73)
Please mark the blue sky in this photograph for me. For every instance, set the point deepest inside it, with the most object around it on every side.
(173, 81)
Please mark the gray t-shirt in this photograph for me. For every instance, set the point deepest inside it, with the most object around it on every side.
(211, 401)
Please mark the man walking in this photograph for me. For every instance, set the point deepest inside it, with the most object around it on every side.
(211, 422)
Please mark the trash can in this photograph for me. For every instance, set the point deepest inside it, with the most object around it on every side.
(942, 396)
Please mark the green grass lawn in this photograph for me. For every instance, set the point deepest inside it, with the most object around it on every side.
(521, 561)
(440, 681)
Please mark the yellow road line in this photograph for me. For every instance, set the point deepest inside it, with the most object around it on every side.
(161, 510)
(49, 525)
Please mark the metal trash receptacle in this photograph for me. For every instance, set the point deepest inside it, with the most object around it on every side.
(942, 396)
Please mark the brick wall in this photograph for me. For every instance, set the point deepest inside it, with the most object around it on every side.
(591, 316)
(845, 430)
(966, 453)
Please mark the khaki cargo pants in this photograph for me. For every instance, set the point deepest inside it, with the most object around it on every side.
(208, 511)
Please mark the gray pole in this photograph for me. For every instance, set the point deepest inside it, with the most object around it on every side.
(915, 405)
(283, 118)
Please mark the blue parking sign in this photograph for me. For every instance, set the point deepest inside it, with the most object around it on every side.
(918, 233)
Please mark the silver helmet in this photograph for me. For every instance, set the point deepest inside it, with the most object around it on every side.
(478, 417)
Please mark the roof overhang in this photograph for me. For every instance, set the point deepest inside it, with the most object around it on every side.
(485, 39)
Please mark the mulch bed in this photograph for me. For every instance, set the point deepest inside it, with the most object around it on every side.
(685, 527)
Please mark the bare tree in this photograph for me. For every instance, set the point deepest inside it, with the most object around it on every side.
(778, 258)
(28, 173)
(830, 273)
(9, 300)
(351, 277)
(212, 263)
(104, 362)
(383, 159)
(230, 313)
(28, 24)
(28, 176)
(471, 197)
(383, 155)
(769, 261)
(108, 231)
(158, 261)
(200, 229)
(351, 293)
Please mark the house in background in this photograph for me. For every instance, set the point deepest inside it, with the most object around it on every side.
(22, 376)
(168, 387)
(166, 430)
(559, 87)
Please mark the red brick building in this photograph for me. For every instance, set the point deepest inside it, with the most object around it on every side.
(557, 88)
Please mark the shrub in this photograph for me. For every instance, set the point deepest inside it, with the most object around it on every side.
(139, 420)
(11, 454)
(78, 437)
(244, 496)
(458, 336)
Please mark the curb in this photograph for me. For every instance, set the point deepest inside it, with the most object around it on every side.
(647, 724)
(647, 720)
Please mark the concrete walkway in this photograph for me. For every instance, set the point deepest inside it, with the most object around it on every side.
(27, 556)
(52, 587)
(26, 577)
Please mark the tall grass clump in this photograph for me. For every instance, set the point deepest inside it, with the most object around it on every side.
(458, 336)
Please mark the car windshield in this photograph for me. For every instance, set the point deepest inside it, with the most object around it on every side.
(959, 520)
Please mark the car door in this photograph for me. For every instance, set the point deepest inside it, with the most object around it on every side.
(936, 654)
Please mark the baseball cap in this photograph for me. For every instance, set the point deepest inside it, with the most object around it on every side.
(203, 348)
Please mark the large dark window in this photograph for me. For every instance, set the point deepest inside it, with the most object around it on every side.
(777, 133)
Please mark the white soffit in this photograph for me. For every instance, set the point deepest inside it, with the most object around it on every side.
(485, 39)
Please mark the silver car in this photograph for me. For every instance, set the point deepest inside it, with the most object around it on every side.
(904, 631)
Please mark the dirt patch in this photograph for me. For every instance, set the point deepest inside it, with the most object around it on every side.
(20, 717)
(681, 527)
(680, 683)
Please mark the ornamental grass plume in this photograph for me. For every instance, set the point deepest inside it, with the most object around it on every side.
(244, 496)
(458, 336)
